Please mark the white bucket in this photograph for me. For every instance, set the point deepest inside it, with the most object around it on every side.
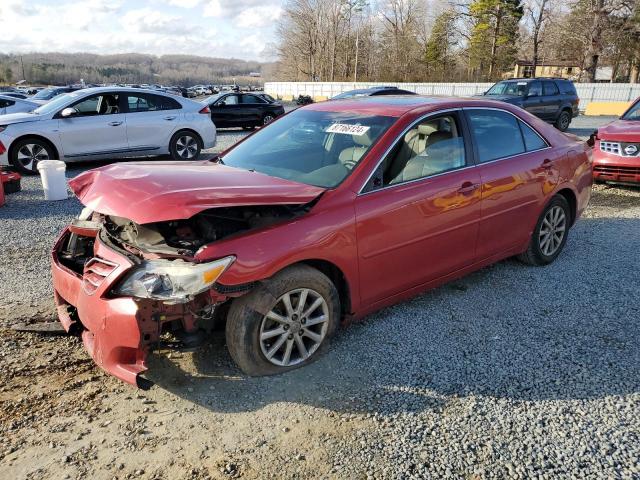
(54, 181)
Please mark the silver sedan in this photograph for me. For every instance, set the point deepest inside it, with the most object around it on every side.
(10, 104)
(106, 123)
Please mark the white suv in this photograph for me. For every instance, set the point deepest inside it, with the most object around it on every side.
(105, 123)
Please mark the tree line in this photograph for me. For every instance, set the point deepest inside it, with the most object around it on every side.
(478, 40)
(69, 68)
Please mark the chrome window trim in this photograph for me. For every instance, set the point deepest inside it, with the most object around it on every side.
(392, 146)
(431, 114)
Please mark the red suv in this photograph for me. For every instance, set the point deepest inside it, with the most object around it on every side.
(329, 213)
(616, 156)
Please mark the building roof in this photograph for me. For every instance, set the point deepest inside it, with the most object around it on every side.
(549, 63)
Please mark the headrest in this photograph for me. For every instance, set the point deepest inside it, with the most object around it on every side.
(425, 129)
(363, 140)
(438, 136)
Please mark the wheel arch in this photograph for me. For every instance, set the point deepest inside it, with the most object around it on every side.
(570, 196)
(36, 136)
(337, 276)
(185, 129)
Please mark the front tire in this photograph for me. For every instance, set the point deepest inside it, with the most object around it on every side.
(26, 154)
(550, 234)
(268, 118)
(185, 145)
(563, 121)
(284, 323)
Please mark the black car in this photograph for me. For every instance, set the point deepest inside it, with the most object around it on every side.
(51, 92)
(373, 91)
(247, 110)
(554, 100)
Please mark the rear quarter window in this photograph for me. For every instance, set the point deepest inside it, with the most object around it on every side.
(567, 88)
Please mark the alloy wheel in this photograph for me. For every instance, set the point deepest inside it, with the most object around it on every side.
(186, 146)
(267, 119)
(552, 230)
(30, 154)
(294, 328)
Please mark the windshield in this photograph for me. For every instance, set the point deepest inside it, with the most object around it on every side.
(312, 147)
(351, 94)
(508, 88)
(633, 113)
(60, 101)
(47, 93)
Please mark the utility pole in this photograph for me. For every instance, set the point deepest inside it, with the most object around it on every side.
(24, 77)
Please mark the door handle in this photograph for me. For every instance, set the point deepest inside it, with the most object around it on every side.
(115, 124)
(467, 188)
(546, 164)
(170, 117)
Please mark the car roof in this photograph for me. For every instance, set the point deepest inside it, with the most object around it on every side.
(9, 97)
(398, 105)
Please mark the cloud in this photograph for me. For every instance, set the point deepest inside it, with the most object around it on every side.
(217, 28)
(147, 20)
(259, 16)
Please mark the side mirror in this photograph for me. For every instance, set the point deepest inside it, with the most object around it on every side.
(221, 103)
(68, 112)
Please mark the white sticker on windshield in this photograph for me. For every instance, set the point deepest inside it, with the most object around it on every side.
(522, 83)
(347, 129)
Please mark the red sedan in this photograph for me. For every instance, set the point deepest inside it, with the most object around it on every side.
(616, 156)
(329, 213)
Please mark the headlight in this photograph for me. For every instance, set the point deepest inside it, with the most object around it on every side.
(3, 128)
(172, 280)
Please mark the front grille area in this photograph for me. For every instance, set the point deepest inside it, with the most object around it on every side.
(622, 149)
(610, 147)
(95, 271)
(615, 170)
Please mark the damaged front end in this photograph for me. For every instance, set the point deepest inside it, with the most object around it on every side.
(123, 286)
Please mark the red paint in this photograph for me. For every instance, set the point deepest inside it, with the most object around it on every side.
(610, 167)
(389, 244)
(159, 191)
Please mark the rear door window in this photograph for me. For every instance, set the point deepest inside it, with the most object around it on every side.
(550, 88)
(496, 134)
(535, 89)
(145, 102)
(252, 99)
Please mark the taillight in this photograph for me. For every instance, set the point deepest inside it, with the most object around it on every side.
(205, 109)
(2, 148)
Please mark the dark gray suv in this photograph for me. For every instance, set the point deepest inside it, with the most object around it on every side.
(554, 100)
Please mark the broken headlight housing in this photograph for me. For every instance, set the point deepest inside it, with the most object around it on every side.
(174, 281)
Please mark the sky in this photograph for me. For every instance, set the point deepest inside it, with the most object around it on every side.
(212, 28)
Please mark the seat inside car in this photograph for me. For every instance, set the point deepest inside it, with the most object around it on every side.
(350, 156)
(109, 105)
(429, 148)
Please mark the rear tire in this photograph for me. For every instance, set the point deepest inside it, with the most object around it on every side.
(185, 145)
(550, 234)
(563, 121)
(264, 337)
(27, 152)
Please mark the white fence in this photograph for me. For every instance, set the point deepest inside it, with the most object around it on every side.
(588, 92)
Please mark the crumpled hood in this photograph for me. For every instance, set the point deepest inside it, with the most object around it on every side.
(620, 130)
(10, 118)
(147, 192)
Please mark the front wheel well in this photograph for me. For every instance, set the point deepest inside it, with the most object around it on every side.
(38, 137)
(570, 197)
(339, 280)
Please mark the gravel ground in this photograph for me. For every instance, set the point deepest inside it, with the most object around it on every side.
(511, 372)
